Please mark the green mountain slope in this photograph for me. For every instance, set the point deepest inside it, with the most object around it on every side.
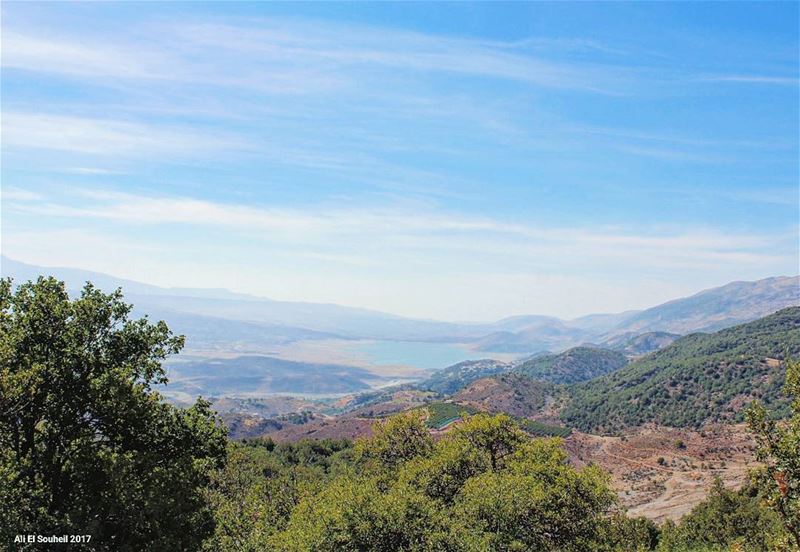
(699, 378)
(449, 380)
(573, 365)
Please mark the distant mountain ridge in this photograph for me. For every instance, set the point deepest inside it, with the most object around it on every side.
(218, 316)
(717, 308)
(633, 344)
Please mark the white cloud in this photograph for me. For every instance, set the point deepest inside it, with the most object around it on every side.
(105, 137)
(91, 171)
(81, 57)
(290, 55)
(11, 193)
(354, 106)
(351, 235)
(756, 79)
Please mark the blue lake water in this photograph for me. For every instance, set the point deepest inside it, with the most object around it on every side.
(428, 356)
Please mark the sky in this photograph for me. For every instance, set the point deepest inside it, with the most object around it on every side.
(456, 161)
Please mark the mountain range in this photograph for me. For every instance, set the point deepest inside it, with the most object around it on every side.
(217, 319)
(698, 379)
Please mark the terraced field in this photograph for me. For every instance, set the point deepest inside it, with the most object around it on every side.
(538, 429)
(441, 414)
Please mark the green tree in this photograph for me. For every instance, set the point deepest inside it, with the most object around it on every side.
(779, 449)
(442, 474)
(358, 514)
(395, 440)
(620, 533)
(86, 445)
(252, 498)
(484, 486)
(254, 494)
(537, 501)
(498, 436)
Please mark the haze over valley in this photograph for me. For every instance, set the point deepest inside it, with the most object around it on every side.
(250, 347)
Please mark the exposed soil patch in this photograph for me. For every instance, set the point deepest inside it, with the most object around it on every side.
(662, 473)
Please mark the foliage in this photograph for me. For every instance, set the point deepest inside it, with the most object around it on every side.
(511, 393)
(316, 453)
(441, 414)
(620, 533)
(484, 486)
(779, 449)
(86, 445)
(356, 514)
(699, 378)
(255, 493)
(395, 440)
(536, 502)
(574, 365)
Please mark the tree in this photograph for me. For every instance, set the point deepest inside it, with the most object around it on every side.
(395, 440)
(255, 493)
(620, 533)
(779, 449)
(358, 514)
(497, 435)
(87, 446)
(483, 486)
(537, 501)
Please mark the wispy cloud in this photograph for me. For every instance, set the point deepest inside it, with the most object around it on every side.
(82, 57)
(319, 229)
(105, 137)
(12, 193)
(755, 79)
(91, 171)
(294, 56)
(411, 261)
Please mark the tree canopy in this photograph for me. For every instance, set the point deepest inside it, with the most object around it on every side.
(484, 486)
(87, 446)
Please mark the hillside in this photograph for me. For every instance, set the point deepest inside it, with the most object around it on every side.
(455, 377)
(718, 308)
(573, 365)
(511, 393)
(699, 378)
(641, 344)
(536, 337)
(709, 310)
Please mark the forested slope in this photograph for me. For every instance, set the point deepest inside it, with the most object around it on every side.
(574, 365)
(699, 378)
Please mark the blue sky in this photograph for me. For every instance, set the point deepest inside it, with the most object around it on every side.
(453, 161)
